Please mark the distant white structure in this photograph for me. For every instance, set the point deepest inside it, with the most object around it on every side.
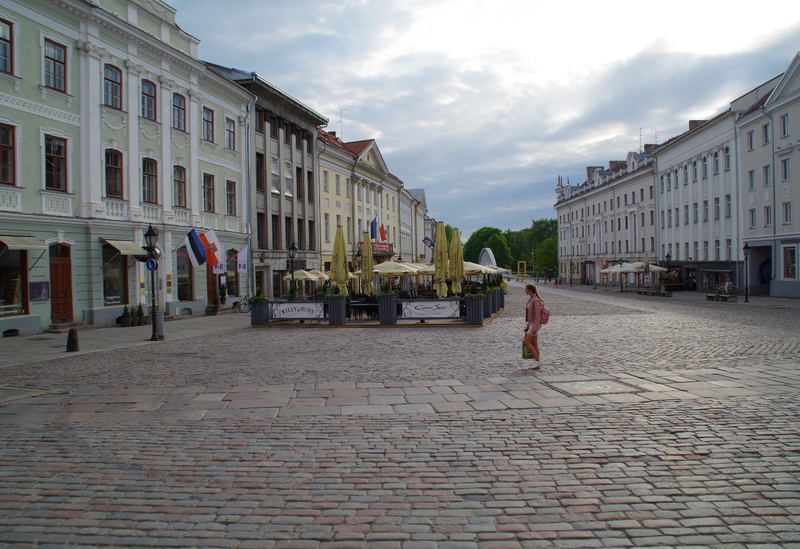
(486, 257)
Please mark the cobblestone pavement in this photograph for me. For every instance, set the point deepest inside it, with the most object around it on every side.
(659, 422)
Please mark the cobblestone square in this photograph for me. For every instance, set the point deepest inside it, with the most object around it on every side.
(657, 422)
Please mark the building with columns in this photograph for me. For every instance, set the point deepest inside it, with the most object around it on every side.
(110, 123)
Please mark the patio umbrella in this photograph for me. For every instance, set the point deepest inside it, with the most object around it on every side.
(300, 274)
(339, 274)
(471, 268)
(440, 260)
(320, 274)
(367, 264)
(456, 261)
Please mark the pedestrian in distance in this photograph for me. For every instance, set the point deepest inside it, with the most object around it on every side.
(533, 321)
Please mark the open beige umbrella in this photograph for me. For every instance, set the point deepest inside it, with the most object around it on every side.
(440, 260)
(319, 274)
(300, 274)
(456, 261)
(339, 274)
(367, 264)
(471, 268)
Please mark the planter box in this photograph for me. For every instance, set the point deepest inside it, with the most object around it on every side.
(387, 309)
(475, 310)
(260, 313)
(487, 307)
(337, 310)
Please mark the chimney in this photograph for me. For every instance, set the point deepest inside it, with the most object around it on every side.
(695, 123)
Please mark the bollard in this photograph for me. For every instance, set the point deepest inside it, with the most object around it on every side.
(72, 341)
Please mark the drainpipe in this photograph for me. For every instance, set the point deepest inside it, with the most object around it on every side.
(774, 184)
(250, 267)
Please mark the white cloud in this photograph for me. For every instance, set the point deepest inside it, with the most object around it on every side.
(484, 102)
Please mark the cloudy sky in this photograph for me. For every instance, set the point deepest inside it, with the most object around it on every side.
(484, 103)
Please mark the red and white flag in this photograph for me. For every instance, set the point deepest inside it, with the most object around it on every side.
(213, 248)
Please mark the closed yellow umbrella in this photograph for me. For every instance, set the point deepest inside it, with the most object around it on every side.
(440, 260)
(456, 261)
(367, 264)
(339, 274)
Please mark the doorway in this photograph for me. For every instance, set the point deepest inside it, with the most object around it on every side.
(60, 284)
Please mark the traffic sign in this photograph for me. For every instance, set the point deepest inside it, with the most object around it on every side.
(152, 264)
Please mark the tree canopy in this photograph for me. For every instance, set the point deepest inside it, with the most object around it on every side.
(536, 245)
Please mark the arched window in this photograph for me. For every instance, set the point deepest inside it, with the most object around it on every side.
(716, 162)
(114, 174)
(112, 87)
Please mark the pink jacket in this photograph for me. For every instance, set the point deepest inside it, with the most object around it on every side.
(533, 312)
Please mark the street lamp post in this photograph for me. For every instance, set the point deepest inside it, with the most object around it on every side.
(292, 254)
(746, 250)
(151, 239)
(360, 278)
(667, 257)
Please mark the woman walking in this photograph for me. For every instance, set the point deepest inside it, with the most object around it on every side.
(533, 321)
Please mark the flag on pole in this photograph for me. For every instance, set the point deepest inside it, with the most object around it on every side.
(383, 233)
(428, 242)
(195, 249)
(212, 247)
(219, 268)
(242, 260)
(373, 230)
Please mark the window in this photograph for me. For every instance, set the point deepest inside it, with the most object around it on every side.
(705, 211)
(276, 232)
(716, 208)
(767, 175)
(786, 171)
(14, 269)
(716, 250)
(112, 87)
(261, 183)
(208, 125)
(179, 187)
(790, 262)
(287, 178)
(727, 158)
(728, 206)
(230, 134)
(178, 112)
(694, 171)
(55, 159)
(8, 155)
(677, 179)
(113, 174)
(208, 193)
(327, 227)
(765, 134)
(685, 175)
(230, 196)
(6, 47)
(705, 250)
(752, 218)
(275, 179)
(310, 186)
(55, 66)
(273, 128)
(324, 181)
(716, 162)
(338, 183)
(150, 181)
(686, 214)
(695, 213)
(185, 272)
(751, 180)
(259, 121)
(705, 167)
(768, 216)
(669, 218)
(148, 100)
(787, 213)
(301, 234)
(287, 223)
(669, 186)
(751, 141)
(115, 269)
(300, 185)
(785, 125)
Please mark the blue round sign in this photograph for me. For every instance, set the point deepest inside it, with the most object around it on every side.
(152, 264)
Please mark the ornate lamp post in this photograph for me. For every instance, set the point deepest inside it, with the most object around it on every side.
(746, 251)
(151, 239)
(292, 254)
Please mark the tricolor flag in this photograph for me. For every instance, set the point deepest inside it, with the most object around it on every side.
(212, 247)
(242, 259)
(219, 268)
(195, 248)
(373, 229)
(383, 232)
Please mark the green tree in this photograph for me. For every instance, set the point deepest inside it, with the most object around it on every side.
(477, 241)
(448, 231)
(546, 255)
(502, 255)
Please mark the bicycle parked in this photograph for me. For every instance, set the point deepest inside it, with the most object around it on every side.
(244, 304)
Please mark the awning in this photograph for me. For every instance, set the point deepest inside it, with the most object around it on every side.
(126, 247)
(23, 243)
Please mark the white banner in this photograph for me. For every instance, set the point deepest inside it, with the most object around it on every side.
(298, 310)
(432, 308)
(242, 259)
